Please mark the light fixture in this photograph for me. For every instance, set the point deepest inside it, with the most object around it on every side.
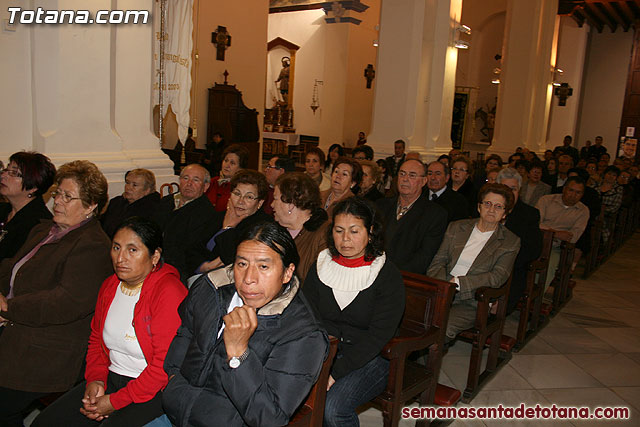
(495, 81)
(557, 84)
(375, 43)
(463, 29)
(461, 44)
(315, 100)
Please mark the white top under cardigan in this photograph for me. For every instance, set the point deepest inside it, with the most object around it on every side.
(347, 282)
(472, 248)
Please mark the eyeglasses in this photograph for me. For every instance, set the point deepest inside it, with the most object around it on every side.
(246, 197)
(411, 175)
(12, 172)
(66, 197)
(497, 206)
(459, 169)
(272, 167)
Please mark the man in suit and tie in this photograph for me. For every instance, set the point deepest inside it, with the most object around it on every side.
(437, 190)
(414, 226)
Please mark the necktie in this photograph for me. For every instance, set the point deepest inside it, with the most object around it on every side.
(434, 196)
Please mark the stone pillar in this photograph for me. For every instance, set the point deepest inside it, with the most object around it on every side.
(415, 81)
(572, 48)
(85, 92)
(526, 86)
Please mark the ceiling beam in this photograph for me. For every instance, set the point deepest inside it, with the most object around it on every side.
(624, 7)
(593, 8)
(618, 15)
(591, 19)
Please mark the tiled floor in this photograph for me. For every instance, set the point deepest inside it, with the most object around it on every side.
(588, 355)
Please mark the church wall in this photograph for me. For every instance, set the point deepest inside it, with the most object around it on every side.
(605, 79)
(245, 59)
(15, 73)
(336, 55)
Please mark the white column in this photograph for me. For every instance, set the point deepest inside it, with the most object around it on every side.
(572, 47)
(86, 91)
(415, 82)
(526, 87)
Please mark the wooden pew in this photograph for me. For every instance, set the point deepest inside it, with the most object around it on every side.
(561, 290)
(423, 326)
(531, 302)
(487, 331)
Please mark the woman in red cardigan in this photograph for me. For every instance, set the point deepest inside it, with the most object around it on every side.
(234, 158)
(135, 321)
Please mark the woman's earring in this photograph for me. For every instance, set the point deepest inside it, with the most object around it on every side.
(30, 195)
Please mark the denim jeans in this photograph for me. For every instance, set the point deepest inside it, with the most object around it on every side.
(354, 389)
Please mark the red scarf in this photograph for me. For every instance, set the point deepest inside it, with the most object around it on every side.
(351, 263)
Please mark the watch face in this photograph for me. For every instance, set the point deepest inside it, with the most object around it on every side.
(234, 362)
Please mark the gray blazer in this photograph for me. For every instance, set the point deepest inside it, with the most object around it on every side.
(491, 267)
(541, 189)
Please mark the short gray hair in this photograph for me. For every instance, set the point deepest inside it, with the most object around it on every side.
(509, 173)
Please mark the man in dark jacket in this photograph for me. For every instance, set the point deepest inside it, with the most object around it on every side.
(524, 222)
(188, 221)
(437, 190)
(414, 226)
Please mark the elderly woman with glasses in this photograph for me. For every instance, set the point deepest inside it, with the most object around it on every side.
(475, 253)
(249, 190)
(27, 177)
(49, 290)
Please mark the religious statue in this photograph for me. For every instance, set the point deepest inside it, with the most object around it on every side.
(283, 79)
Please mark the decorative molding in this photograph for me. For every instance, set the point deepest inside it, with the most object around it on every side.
(279, 6)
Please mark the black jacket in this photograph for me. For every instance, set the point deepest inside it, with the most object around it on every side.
(14, 233)
(455, 204)
(470, 192)
(120, 209)
(186, 232)
(364, 326)
(411, 242)
(286, 352)
(524, 222)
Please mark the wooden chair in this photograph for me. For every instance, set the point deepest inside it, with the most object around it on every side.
(423, 326)
(487, 331)
(561, 291)
(531, 302)
(311, 412)
(170, 188)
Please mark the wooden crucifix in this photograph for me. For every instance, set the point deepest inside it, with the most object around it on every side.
(563, 92)
(369, 74)
(221, 39)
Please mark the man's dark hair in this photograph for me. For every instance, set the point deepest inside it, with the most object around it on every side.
(399, 141)
(576, 179)
(286, 163)
(367, 150)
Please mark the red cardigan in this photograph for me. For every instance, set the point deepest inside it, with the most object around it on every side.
(219, 194)
(155, 320)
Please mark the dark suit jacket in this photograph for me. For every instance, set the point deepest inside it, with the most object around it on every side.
(186, 233)
(524, 222)
(491, 267)
(455, 204)
(392, 169)
(15, 232)
(470, 193)
(55, 294)
(412, 241)
(120, 209)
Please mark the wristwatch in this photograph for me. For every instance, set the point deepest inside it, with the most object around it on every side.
(235, 361)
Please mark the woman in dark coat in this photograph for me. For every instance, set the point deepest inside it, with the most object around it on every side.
(27, 177)
(49, 291)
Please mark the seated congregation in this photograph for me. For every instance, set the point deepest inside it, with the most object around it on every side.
(289, 296)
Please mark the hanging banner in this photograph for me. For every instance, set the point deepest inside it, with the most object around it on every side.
(178, 44)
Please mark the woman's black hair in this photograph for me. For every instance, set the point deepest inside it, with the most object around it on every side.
(612, 169)
(149, 232)
(275, 237)
(327, 162)
(36, 169)
(364, 210)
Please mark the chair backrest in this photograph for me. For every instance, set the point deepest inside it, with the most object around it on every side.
(427, 302)
(170, 188)
(311, 413)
